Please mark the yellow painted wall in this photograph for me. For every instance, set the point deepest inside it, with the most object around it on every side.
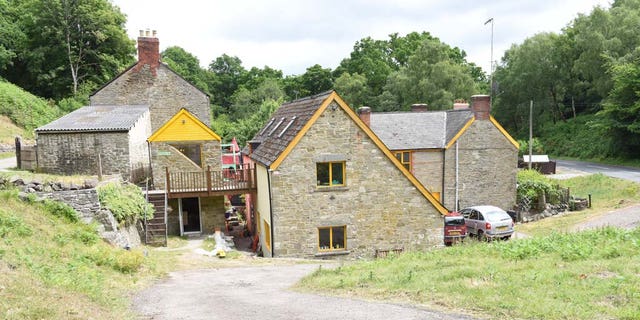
(263, 205)
(184, 127)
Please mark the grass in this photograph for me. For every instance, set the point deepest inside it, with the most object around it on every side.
(9, 154)
(52, 268)
(9, 131)
(606, 194)
(44, 178)
(593, 274)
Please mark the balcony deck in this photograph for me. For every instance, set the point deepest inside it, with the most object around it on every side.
(209, 183)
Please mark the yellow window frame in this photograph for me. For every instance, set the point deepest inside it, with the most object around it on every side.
(406, 158)
(332, 246)
(331, 183)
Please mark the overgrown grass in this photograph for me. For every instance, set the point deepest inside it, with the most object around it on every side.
(9, 131)
(24, 109)
(607, 193)
(588, 275)
(54, 268)
(125, 201)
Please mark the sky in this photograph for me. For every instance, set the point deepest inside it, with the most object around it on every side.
(292, 35)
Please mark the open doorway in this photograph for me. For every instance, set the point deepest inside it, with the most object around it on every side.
(190, 215)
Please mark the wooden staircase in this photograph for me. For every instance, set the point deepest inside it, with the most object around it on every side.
(156, 228)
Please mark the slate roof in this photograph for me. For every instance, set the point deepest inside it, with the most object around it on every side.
(284, 125)
(97, 119)
(418, 130)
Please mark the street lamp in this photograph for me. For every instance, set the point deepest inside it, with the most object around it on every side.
(491, 65)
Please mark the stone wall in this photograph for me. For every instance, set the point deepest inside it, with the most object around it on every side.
(211, 215)
(379, 206)
(427, 168)
(165, 92)
(77, 153)
(83, 198)
(487, 168)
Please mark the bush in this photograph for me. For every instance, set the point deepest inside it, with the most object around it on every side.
(11, 223)
(61, 209)
(125, 201)
(122, 260)
(532, 184)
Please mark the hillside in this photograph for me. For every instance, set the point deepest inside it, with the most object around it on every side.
(24, 109)
(53, 267)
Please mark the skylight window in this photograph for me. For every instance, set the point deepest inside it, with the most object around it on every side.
(267, 126)
(287, 127)
(276, 127)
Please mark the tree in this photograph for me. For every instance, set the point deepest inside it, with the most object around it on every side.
(225, 80)
(187, 65)
(69, 42)
(431, 76)
(353, 89)
(316, 79)
(11, 37)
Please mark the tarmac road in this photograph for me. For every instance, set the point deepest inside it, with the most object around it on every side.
(259, 293)
(622, 172)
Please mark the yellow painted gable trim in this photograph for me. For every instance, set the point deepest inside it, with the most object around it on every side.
(504, 132)
(335, 97)
(462, 131)
(183, 126)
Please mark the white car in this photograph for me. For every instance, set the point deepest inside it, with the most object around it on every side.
(488, 222)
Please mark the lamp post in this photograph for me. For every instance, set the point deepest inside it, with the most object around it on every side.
(491, 64)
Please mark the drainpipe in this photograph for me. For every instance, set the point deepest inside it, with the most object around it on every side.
(457, 199)
(270, 210)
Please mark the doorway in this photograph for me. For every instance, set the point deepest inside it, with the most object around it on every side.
(190, 215)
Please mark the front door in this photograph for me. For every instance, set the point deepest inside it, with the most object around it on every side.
(190, 213)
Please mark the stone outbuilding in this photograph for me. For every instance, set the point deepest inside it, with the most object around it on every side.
(329, 188)
(95, 140)
(462, 155)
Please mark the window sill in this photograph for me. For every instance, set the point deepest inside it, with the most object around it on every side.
(332, 253)
(330, 189)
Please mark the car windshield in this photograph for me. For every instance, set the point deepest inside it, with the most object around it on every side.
(496, 215)
(454, 221)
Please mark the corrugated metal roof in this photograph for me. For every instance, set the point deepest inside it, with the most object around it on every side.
(418, 130)
(97, 118)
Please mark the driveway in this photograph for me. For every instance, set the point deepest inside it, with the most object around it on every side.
(7, 163)
(626, 218)
(259, 292)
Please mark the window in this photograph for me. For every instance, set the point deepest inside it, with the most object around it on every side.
(405, 158)
(332, 238)
(330, 174)
(191, 151)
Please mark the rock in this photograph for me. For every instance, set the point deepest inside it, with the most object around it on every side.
(47, 188)
(90, 183)
(17, 181)
(73, 186)
(30, 190)
(56, 186)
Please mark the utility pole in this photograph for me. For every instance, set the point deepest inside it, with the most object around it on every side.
(491, 64)
(530, 133)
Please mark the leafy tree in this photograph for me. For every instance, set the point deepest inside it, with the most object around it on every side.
(227, 75)
(316, 79)
(431, 76)
(246, 102)
(353, 89)
(69, 42)
(11, 37)
(187, 65)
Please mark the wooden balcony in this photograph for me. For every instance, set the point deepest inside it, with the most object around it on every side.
(209, 183)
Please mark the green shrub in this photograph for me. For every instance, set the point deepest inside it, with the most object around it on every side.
(125, 201)
(120, 260)
(61, 209)
(532, 184)
(11, 223)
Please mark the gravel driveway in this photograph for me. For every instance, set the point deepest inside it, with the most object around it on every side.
(259, 292)
(627, 218)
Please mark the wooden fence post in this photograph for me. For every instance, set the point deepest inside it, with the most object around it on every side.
(18, 156)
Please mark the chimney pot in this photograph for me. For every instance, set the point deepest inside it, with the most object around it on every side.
(460, 104)
(481, 106)
(146, 33)
(141, 33)
(419, 107)
(365, 115)
(154, 33)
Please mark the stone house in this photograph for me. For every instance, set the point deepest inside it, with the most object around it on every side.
(329, 188)
(463, 155)
(95, 140)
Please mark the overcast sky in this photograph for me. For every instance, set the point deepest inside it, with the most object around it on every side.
(292, 35)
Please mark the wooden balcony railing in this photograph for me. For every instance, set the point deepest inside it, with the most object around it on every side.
(210, 183)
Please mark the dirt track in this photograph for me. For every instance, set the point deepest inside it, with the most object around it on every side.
(259, 292)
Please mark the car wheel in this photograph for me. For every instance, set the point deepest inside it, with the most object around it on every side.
(481, 236)
(506, 238)
(448, 244)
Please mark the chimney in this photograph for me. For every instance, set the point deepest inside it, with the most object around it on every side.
(481, 106)
(365, 115)
(148, 50)
(460, 104)
(419, 107)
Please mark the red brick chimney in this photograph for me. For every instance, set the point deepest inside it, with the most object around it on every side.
(419, 107)
(365, 115)
(481, 106)
(148, 51)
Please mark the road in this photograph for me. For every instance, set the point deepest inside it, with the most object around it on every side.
(260, 292)
(7, 163)
(628, 173)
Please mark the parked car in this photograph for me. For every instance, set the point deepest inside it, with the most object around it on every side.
(455, 229)
(488, 222)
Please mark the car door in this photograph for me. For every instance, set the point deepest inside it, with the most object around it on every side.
(471, 221)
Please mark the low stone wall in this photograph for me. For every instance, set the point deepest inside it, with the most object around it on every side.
(84, 199)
